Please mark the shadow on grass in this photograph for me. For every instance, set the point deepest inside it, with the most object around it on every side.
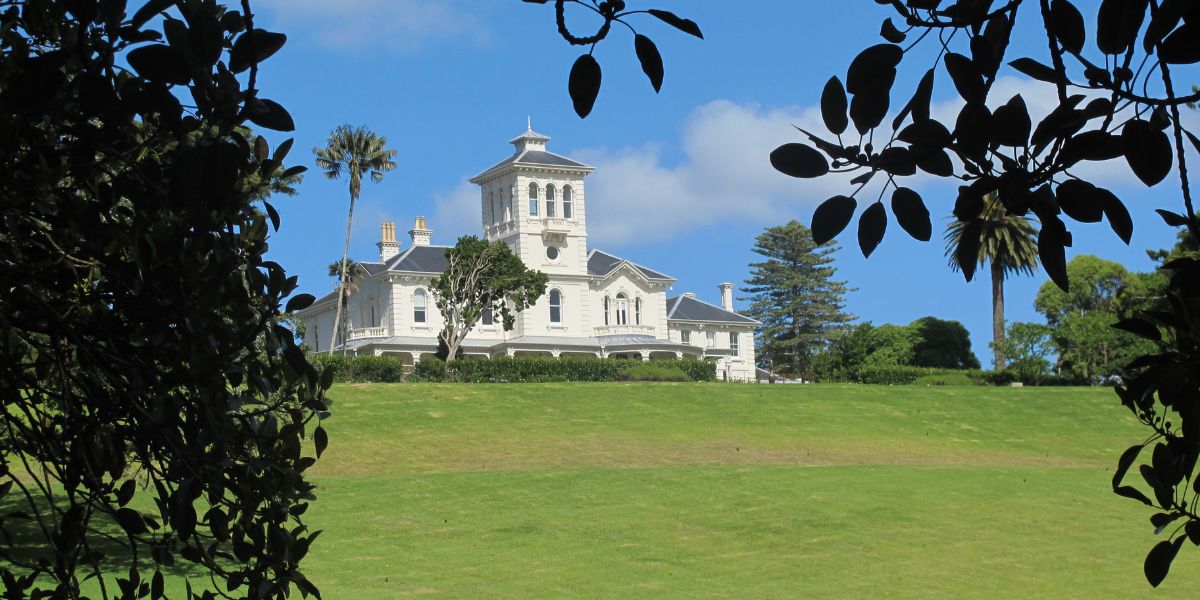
(26, 545)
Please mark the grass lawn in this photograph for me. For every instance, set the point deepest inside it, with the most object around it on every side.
(729, 491)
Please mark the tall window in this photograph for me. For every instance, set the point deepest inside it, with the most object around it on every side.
(622, 309)
(316, 338)
(491, 208)
(733, 343)
(486, 318)
(637, 311)
(419, 306)
(533, 200)
(712, 339)
(507, 206)
(567, 202)
(685, 336)
(498, 209)
(550, 209)
(606, 310)
(555, 306)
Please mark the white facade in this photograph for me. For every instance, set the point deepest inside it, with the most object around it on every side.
(595, 304)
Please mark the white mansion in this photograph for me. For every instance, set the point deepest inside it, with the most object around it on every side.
(596, 304)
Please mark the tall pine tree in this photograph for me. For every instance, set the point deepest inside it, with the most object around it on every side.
(795, 297)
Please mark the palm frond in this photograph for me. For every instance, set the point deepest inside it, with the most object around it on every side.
(1006, 240)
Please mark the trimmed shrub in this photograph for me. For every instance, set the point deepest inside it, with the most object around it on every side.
(906, 375)
(945, 379)
(359, 369)
(652, 372)
(542, 369)
(429, 369)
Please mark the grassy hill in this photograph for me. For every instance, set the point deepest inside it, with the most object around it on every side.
(729, 491)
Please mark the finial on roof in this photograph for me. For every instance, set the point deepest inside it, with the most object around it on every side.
(529, 123)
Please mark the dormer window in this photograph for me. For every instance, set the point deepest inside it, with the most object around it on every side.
(567, 212)
(550, 208)
(533, 200)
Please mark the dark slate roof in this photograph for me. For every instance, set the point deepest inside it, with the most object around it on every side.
(374, 268)
(683, 308)
(601, 263)
(536, 157)
(329, 298)
(420, 259)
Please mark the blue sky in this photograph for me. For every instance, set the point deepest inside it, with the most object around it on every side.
(682, 182)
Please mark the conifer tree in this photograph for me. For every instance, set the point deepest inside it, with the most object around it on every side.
(794, 295)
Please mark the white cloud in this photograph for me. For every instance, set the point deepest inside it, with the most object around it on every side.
(397, 25)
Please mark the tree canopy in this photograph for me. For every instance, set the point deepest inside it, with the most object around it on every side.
(794, 295)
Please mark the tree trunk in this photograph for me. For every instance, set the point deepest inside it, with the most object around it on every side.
(998, 357)
(337, 319)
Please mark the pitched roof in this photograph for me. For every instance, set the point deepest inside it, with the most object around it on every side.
(374, 268)
(420, 259)
(601, 263)
(684, 308)
(535, 158)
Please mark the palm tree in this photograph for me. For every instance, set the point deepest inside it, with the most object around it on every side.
(356, 151)
(1008, 243)
(354, 272)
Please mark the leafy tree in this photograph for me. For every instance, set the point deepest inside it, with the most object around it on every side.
(358, 152)
(1129, 58)
(355, 271)
(1028, 347)
(795, 297)
(942, 344)
(482, 277)
(1007, 244)
(1082, 319)
(155, 411)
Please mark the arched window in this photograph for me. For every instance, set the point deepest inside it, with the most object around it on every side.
(567, 212)
(606, 310)
(419, 306)
(550, 207)
(622, 309)
(533, 200)
(373, 322)
(637, 311)
(555, 306)
(508, 207)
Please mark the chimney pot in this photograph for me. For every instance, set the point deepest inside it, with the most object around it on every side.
(726, 296)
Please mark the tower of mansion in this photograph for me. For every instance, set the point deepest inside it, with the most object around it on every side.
(596, 303)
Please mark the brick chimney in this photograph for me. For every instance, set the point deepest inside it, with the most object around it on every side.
(726, 296)
(419, 234)
(388, 246)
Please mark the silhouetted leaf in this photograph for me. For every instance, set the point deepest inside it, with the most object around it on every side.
(1079, 200)
(1172, 218)
(799, 160)
(1038, 71)
(1091, 145)
(651, 60)
(889, 32)
(1133, 493)
(966, 255)
(935, 162)
(918, 105)
(833, 106)
(1118, 23)
(1067, 25)
(969, 204)
(299, 302)
(273, 215)
(1123, 464)
(1139, 327)
(1117, 215)
(321, 440)
(1163, 21)
(159, 62)
(1011, 123)
(873, 68)
(684, 25)
(1052, 242)
(868, 108)
(1181, 47)
(130, 521)
(897, 161)
(973, 130)
(911, 213)
(925, 132)
(831, 217)
(966, 77)
(1158, 561)
(584, 84)
(871, 227)
(253, 47)
(269, 114)
(1147, 150)
(149, 10)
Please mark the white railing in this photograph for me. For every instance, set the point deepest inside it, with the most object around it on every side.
(623, 330)
(363, 333)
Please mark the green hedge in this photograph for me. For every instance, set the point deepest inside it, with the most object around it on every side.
(538, 369)
(653, 372)
(359, 369)
(905, 375)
